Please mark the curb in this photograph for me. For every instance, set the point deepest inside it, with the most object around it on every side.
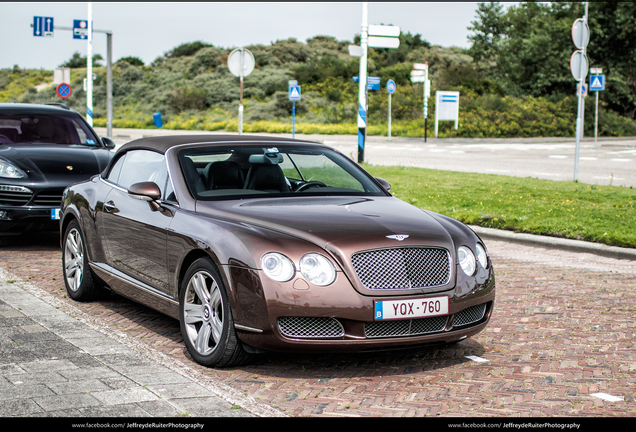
(556, 243)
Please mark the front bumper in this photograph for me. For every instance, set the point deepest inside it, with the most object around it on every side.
(299, 318)
(18, 220)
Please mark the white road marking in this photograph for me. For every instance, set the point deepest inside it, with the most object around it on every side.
(607, 397)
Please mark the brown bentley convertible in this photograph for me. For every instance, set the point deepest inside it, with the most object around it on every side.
(271, 244)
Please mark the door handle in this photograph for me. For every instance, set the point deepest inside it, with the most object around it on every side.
(109, 206)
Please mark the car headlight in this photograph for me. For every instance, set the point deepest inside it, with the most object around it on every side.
(466, 260)
(317, 269)
(9, 171)
(481, 256)
(277, 266)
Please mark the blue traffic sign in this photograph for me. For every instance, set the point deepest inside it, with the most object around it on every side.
(42, 26)
(80, 29)
(390, 86)
(294, 93)
(597, 82)
(63, 90)
(373, 83)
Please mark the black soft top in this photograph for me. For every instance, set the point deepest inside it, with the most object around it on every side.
(161, 144)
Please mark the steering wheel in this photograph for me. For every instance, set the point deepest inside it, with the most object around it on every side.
(309, 184)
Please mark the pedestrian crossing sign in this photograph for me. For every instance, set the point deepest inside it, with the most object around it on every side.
(597, 82)
(294, 93)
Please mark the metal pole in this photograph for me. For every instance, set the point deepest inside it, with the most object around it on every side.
(109, 85)
(596, 121)
(362, 99)
(240, 125)
(293, 119)
(89, 67)
(389, 116)
(581, 105)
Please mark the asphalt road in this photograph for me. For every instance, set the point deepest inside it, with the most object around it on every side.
(611, 161)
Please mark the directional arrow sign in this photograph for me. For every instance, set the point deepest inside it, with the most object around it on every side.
(383, 42)
(384, 30)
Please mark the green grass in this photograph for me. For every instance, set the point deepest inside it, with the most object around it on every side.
(602, 214)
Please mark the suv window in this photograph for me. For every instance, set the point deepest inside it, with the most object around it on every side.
(58, 128)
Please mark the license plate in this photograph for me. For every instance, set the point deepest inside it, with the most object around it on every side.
(55, 214)
(411, 308)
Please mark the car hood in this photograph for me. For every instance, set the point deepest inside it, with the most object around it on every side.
(341, 225)
(53, 160)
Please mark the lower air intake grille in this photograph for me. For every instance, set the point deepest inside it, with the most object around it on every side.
(381, 329)
(469, 315)
(310, 327)
(48, 199)
(402, 268)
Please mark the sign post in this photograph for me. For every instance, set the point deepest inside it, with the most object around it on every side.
(578, 67)
(241, 64)
(375, 36)
(420, 74)
(390, 87)
(294, 95)
(597, 83)
(80, 31)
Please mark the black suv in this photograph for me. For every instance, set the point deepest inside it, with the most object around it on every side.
(43, 149)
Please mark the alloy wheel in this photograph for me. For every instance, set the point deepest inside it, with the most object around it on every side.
(203, 312)
(74, 259)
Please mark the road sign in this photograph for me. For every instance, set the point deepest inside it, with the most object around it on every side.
(580, 33)
(597, 82)
(80, 29)
(234, 62)
(383, 42)
(294, 93)
(581, 89)
(384, 30)
(63, 90)
(355, 50)
(420, 66)
(446, 107)
(575, 65)
(390, 86)
(42, 26)
(373, 83)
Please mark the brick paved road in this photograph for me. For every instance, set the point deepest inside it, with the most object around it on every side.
(563, 330)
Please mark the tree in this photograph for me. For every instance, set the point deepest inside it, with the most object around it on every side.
(527, 48)
(78, 61)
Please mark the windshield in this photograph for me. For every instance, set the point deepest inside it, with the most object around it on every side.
(45, 128)
(214, 173)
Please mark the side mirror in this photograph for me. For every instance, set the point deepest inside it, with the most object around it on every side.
(109, 143)
(385, 184)
(145, 191)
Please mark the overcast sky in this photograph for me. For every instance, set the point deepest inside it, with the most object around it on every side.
(149, 29)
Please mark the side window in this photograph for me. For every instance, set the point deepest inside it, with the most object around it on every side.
(113, 175)
(143, 165)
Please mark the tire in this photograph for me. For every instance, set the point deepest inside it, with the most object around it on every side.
(206, 319)
(78, 278)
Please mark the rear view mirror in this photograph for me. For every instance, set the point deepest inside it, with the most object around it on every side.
(108, 143)
(385, 184)
(145, 191)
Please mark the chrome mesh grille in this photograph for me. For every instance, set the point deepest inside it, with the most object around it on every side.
(380, 329)
(402, 268)
(310, 327)
(469, 315)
